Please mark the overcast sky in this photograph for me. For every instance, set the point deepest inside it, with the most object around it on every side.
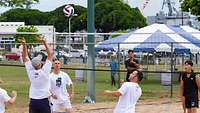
(151, 9)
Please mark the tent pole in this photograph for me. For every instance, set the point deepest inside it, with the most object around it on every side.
(196, 61)
(118, 58)
(172, 65)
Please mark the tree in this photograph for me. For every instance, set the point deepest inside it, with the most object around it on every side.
(192, 6)
(29, 16)
(113, 15)
(17, 3)
(60, 21)
(30, 38)
(110, 16)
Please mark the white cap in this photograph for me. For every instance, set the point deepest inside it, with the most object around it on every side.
(36, 61)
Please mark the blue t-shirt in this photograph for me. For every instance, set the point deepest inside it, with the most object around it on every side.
(113, 65)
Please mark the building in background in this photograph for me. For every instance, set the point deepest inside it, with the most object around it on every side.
(8, 29)
(173, 16)
(176, 19)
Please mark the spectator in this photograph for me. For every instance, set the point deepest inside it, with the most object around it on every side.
(131, 64)
(113, 66)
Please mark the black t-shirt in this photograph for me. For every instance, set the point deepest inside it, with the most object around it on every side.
(129, 63)
(190, 85)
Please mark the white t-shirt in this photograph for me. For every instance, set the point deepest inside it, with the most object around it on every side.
(131, 92)
(40, 80)
(58, 86)
(3, 99)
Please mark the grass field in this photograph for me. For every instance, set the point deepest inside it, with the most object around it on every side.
(16, 78)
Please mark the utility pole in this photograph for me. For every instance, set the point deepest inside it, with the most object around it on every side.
(69, 30)
(91, 52)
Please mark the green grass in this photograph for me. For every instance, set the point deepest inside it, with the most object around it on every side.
(15, 78)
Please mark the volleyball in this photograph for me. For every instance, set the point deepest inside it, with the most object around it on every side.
(68, 10)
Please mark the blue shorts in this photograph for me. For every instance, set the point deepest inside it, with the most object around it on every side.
(39, 106)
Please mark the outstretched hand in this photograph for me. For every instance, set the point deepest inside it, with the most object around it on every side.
(21, 40)
(41, 38)
(13, 93)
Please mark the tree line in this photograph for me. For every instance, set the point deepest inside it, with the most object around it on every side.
(192, 6)
(110, 16)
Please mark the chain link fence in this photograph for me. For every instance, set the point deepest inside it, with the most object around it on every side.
(161, 65)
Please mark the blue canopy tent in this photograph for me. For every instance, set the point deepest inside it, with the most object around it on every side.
(153, 43)
(111, 43)
(156, 37)
(186, 35)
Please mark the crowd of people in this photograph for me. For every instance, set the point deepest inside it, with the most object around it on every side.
(48, 87)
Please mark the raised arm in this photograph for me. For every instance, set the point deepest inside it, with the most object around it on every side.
(49, 51)
(25, 50)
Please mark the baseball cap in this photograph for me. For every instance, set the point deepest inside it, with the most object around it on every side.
(36, 61)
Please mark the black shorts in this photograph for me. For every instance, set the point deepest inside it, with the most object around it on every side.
(39, 106)
(191, 101)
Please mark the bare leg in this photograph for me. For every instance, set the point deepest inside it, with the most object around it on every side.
(183, 104)
(194, 110)
(69, 110)
(184, 108)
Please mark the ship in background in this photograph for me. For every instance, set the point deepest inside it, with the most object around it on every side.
(173, 17)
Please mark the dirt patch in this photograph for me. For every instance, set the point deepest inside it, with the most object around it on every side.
(143, 106)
